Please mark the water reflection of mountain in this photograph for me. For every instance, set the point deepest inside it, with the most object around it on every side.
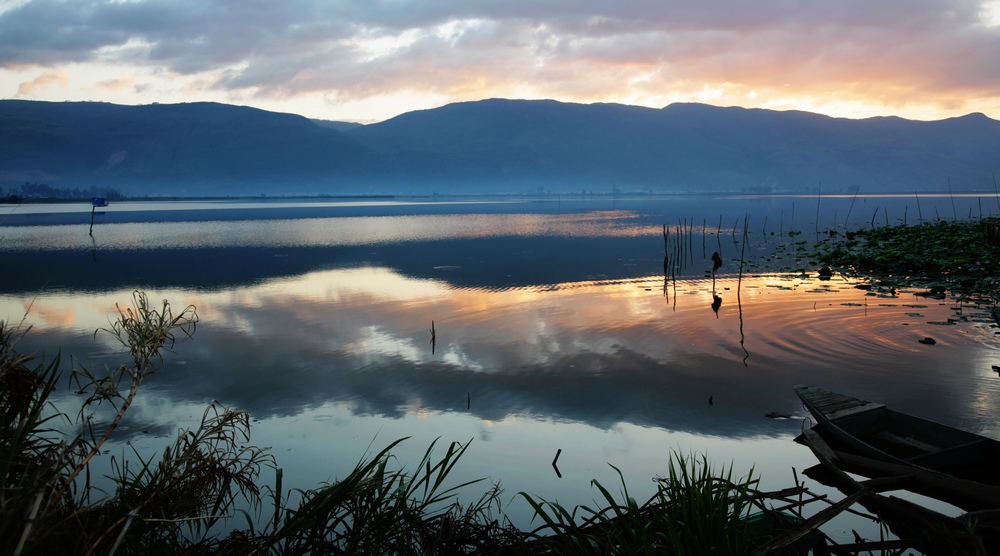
(490, 263)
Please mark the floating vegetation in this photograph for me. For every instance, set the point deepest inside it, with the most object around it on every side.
(932, 258)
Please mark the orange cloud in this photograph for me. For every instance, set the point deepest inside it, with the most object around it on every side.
(47, 79)
(53, 316)
(119, 84)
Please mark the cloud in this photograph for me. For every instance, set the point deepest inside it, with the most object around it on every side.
(116, 84)
(887, 52)
(46, 79)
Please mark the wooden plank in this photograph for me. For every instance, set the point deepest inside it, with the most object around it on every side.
(833, 405)
(850, 410)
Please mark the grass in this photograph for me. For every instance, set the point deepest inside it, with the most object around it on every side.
(175, 502)
(694, 511)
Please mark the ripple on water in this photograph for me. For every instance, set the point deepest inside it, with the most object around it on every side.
(824, 326)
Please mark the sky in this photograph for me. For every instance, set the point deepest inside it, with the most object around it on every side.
(370, 60)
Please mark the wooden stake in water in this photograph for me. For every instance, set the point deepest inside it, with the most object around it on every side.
(739, 281)
(851, 207)
(704, 248)
(954, 212)
(996, 191)
(819, 196)
(691, 240)
(718, 235)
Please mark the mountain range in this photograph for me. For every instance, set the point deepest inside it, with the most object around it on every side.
(488, 146)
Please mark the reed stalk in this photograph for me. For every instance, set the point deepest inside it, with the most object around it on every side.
(851, 207)
(819, 197)
(695, 510)
(951, 196)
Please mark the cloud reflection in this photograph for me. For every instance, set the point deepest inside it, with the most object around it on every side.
(600, 353)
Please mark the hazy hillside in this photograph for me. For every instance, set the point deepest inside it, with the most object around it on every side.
(491, 145)
(334, 124)
(697, 147)
(171, 148)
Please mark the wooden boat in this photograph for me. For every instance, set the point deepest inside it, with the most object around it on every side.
(917, 527)
(873, 440)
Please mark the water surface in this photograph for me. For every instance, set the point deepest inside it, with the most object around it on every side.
(554, 328)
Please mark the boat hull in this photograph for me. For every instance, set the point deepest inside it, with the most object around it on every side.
(874, 431)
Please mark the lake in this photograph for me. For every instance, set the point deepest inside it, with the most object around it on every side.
(554, 328)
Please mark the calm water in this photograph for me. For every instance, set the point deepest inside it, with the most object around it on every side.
(554, 329)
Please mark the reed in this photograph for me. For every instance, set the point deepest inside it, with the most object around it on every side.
(718, 236)
(996, 190)
(381, 509)
(951, 196)
(695, 510)
(819, 197)
(49, 506)
(743, 247)
(847, 218)
(704, 237)
(31, 459)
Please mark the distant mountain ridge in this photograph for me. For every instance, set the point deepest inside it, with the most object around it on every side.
(493, 145)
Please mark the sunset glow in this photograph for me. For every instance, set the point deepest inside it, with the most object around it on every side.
(368, 62)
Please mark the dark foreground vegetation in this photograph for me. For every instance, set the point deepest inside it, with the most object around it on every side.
(209, 493)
